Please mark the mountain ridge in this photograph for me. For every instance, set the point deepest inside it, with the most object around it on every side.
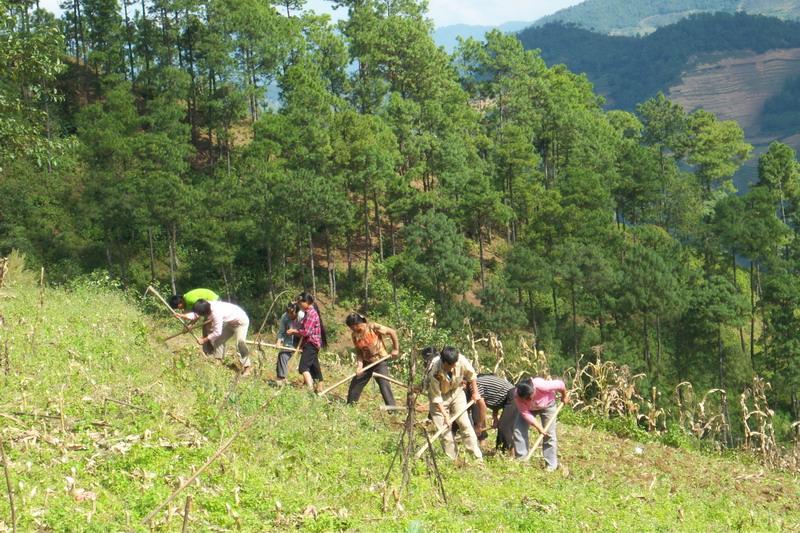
(622, 17)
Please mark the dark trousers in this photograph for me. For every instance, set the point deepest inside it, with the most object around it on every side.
(358, 383)
(309, 362)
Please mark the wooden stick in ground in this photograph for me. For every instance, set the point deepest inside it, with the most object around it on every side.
(186, 509)
(185, 330)
(244, 427)
(546, 428)
(348, 378)
(443, 429)
(390, 380)
(268, 345)
(172, 311)
(8, 487)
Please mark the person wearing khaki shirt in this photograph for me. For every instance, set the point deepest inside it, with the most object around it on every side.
(443, 382)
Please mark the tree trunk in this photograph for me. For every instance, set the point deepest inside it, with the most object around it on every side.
(349, 254)
(367, 248)
(391, 236)
(270, 287)
(533, 322)
(738, 290)
(555, 305)
(658, 345)
(331, 268)
(646, 341)
(152, 255)
(574, 326)
(128, 39)
(227, 285)
(378, 224)
(721, 352)
(480, 248)
(752, 315)
(173, 256)
(311, 259)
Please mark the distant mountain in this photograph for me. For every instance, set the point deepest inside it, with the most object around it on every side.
(634, 17)
(447, 36)
(740, 67)
(629, 70)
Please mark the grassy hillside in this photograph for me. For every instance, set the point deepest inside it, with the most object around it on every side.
(100, 422)
(623, 17)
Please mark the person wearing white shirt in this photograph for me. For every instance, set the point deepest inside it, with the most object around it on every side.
(227, 320)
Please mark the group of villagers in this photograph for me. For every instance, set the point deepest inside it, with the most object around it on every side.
(450, 381)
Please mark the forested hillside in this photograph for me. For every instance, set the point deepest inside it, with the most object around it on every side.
(629, 70)
(624, 17)
(397, 180)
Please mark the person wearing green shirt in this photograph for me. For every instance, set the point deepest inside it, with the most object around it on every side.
(186, 301)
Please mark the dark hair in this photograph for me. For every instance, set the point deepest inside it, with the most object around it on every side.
(202, 307)
(355, 318)
(292, 307)
(429, 353)
(176, 300)
(307, 298)
(524, 389)
(449, 355)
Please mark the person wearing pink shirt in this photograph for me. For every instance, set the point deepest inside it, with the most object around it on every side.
(536, 398)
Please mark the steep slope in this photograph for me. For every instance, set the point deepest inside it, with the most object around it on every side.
(101, 423)
(623, 17)
(736, 87)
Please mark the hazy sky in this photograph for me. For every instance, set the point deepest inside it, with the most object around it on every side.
(446, 12)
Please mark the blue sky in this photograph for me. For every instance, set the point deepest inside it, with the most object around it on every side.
(446, 12)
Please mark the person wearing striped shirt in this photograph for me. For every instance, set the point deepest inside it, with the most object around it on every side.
(496, 394)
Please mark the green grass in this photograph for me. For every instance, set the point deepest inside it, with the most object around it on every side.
(91, 343)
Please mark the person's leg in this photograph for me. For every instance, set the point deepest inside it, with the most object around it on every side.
(306, 364)
(241, 345)
(218, 346)
(520, 437)
(448, 443)
(282, 365)
(505, 430)
(357, 385)
(383, 385)
(550, 443)
(465, 428)
(316, 368)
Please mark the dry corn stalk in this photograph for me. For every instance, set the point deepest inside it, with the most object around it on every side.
(759, 432)
(607, 389)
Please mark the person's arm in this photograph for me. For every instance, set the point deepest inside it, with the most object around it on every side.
(395, 353)
(495, 418)
(476, 393)
(216, 329)
(190, 316)
(526, 415)
(283, 326)
(480, 424)
(435, 395)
